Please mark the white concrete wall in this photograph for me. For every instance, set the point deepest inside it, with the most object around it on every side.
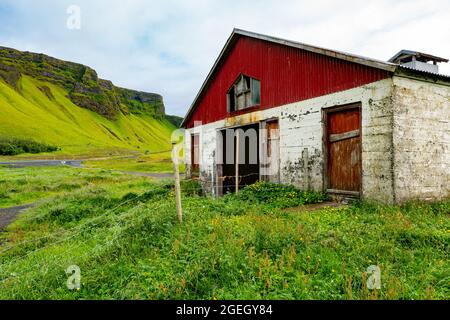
(301, 129)
(421, 138)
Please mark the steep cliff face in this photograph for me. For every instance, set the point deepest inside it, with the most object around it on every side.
(84, 87)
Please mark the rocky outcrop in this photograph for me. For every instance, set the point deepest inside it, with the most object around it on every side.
(141, 102)
(10, 75)
(84, 87)
(175, 120)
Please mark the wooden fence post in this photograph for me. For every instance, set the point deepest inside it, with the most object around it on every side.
(176, 172)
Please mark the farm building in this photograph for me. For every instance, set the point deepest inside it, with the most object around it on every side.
(291, 113)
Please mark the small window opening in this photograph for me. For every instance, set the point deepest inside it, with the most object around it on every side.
(244, 93)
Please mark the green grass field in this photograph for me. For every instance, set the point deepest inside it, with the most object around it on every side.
(77, 131)
(26, 185)
(122, 232)
(159, 162)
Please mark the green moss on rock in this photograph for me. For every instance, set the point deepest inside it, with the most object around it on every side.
(10, 75)
(47, 91)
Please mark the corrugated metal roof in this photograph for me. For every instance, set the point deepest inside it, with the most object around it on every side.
(328, 52)
(440, 75)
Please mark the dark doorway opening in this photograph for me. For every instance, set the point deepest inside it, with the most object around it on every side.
(249, 162)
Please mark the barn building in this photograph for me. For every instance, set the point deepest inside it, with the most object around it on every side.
(321, 120)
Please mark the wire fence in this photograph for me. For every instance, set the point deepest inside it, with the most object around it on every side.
(105, 217)
(71, 236)
(184, 188)
(32, 267)
(221, 178)
(80, 226)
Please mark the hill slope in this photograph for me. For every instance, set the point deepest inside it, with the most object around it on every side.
(67, 105)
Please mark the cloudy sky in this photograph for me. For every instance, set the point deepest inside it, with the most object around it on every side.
(168, 47)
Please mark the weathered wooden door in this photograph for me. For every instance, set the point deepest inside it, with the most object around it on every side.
(270, 151)
(343, 143)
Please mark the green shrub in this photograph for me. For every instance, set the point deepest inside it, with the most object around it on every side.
(70, 210)
(12, 147)
(156, 193)
(191, 187)
(278, 195)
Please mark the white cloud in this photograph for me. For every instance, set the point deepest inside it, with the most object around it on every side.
(169, 46)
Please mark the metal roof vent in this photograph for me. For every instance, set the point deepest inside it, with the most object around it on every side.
(418, 60)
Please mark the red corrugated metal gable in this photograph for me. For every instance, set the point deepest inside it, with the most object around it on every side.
(287, 75)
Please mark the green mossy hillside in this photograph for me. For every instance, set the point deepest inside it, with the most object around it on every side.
(67, 106)
(85, 89)
(44, 112)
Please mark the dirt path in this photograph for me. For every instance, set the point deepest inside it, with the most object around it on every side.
(41, 163)
(8, 215)
(74, 162)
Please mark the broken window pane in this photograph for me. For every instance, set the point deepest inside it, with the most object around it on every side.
(244, 93)
(256, 92)
(247, 82)
(232, 100)
(248, 99)
(241, 102)
(241, 86)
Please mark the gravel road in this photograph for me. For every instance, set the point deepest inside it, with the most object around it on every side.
(42, 163)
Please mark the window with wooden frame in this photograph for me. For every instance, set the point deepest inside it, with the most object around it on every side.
(244, 93)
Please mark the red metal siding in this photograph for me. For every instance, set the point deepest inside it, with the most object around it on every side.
(287, 75)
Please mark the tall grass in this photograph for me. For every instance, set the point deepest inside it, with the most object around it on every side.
(23, 185)
(125, 238)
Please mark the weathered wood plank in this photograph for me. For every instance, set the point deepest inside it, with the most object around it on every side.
(344, 192)
(343, 136)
